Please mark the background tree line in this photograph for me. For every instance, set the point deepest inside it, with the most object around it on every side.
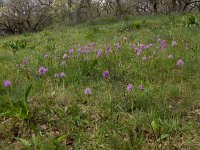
(19, 16)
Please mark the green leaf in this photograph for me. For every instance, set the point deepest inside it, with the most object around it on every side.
(94, 63)
(24, 142)
(61, 138)
(154, 125)
(27, 92)
(163, 136)
(4, 113)
(34, 128)
(59, 111)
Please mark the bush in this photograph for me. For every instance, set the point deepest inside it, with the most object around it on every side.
(16, 45)
(191, 21)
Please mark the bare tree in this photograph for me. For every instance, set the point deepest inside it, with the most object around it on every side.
(19, 16)
(187, 3)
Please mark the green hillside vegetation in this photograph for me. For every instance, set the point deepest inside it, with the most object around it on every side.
(104, 84)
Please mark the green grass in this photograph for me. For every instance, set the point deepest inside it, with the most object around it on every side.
(44, 112)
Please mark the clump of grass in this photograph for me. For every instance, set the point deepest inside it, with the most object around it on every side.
(16, 45)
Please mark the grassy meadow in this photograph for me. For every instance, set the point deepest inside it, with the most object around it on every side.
(104, 84)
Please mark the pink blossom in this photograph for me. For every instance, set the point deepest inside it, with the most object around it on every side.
(106, 74)
(170, 56)
(180, 63)
(7, 83)
(71, 51)
(42, 70)
(129, 87)
(88, 91)
(174, 43)
(99, 53)
(140, 87)
(144, 58)
(65, 56)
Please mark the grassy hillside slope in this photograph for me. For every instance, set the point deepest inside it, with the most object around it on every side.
(72, 103)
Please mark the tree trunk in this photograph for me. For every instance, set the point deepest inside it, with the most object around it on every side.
(69, 13)
(155, 7)
(118, 9)
(173, 5)
(187, 2)
(180, 4)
